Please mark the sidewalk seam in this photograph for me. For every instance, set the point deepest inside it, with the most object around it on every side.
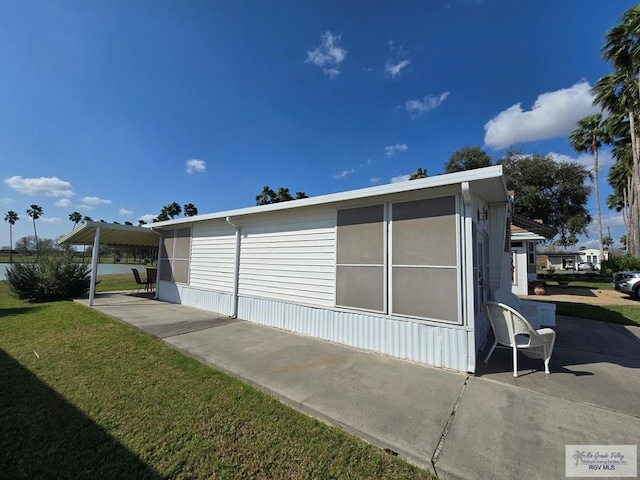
(447, 427)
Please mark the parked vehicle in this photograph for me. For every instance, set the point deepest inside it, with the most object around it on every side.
(628, 282)
(586, 267)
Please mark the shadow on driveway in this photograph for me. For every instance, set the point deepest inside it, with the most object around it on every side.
(593, 362)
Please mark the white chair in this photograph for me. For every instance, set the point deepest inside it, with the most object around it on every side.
(536, 313)
(512, 330)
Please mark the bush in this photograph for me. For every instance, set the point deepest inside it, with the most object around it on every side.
(55, 276)
(620, 264)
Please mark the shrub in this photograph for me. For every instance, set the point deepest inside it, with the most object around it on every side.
(619, 264)
(55, 276)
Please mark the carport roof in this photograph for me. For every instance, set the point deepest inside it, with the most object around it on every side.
(111, 234)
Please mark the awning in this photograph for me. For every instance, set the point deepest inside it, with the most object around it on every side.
(111, 234)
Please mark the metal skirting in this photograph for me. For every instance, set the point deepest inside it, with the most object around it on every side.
(211, 300)
(440, 346)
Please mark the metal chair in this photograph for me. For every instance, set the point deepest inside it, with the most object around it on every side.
(512, 330)
(139, 282)
(152, 276)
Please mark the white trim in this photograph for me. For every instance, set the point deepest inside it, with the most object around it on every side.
(495, 191)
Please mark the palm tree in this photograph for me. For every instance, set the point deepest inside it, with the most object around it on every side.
(141, 222)
(76, 218)
(11, 217)
(87, 219)
(589, 137)
(616, 93)
(300, 195)
(162, 216)
(172, 210)
(266, 196)
(35, 212)
(419, 173)
(190, 210)
(282, 195)
(619, 92)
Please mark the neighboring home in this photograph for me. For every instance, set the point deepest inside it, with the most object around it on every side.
(560, 260)
(400, 269)
(525, 235)
(593, 255)
(563, 260)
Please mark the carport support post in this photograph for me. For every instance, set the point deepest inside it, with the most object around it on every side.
(94, 265)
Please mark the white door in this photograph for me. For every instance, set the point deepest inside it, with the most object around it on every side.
(519, 279)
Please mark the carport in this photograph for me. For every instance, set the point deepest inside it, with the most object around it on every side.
(111, 234)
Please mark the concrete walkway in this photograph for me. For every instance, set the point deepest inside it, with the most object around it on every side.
(490, 425)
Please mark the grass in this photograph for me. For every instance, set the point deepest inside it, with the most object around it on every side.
(622, 314)
(596, 283)
(117, 281)
(86, 397)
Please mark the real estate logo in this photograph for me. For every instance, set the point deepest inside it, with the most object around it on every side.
(601, 461)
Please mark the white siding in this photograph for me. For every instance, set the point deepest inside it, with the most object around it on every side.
(287, 258)
(213, 249)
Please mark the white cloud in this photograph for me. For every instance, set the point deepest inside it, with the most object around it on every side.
(586, 160)
(328, 56)
(48, 186)
(374, 180)
(392, 69)
(95, 201)
(54, 220)
(6, 201)
(196, 166)
(554, 114)
(148, 217)
(392, 149)
(400, 178)
(612, 219)
(343, 174)
(63, 202)
(124, 211)
(423, 105)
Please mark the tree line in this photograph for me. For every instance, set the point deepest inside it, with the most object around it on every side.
(282, 194)
(545, 188)
(27, 244)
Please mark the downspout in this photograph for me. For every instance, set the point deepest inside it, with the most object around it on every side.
(469, 280)
(94, 265)
(236, 268)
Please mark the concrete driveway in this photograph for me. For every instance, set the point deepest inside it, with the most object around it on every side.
(488, 425)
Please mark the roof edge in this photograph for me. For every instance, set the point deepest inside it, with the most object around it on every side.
(448, 179)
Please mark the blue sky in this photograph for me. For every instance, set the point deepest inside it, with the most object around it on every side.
(114, 109)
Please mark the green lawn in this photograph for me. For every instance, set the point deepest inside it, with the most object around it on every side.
(623, 314)
(86, 397)
(118, 281)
